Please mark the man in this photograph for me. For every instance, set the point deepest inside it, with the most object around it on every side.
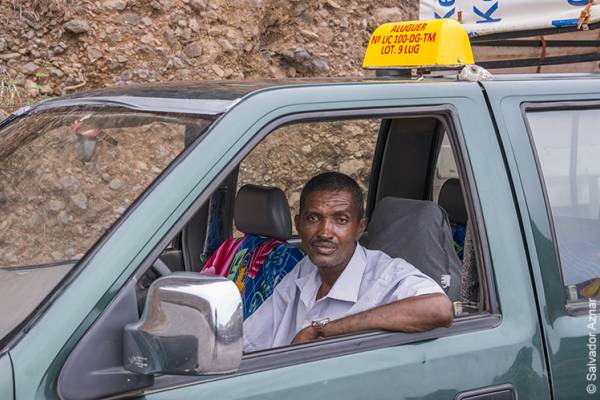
(341, 287)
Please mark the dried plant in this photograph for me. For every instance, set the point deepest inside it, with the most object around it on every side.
(10, 97)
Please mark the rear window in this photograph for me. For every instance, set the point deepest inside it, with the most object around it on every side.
(568, 149)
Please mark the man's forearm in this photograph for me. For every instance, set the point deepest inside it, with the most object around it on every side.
(414, 314)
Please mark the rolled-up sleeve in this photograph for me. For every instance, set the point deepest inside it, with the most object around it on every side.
(415, 285)
(403, 280)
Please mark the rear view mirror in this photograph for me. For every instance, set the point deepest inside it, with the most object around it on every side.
(191, 325)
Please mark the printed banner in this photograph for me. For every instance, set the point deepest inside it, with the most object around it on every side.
(482, 17)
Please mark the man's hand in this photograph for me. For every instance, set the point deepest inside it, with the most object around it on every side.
(306, 335)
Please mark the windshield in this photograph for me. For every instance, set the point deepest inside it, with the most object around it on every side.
(66, 176)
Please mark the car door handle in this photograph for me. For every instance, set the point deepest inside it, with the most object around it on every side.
(499, 392)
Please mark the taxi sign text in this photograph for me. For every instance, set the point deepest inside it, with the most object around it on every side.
(418, 43)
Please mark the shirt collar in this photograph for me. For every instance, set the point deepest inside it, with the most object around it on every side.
(345, 288)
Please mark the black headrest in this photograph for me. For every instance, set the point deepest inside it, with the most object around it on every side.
(263, 211)
(451, 199)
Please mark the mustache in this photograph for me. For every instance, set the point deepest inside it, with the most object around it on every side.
(321, 242)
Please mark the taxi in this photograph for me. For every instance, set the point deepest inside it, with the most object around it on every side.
(112, 201)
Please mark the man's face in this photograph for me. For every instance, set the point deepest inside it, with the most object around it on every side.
(329, 226)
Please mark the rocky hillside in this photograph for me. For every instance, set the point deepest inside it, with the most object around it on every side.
(54, 205)
(55, 47)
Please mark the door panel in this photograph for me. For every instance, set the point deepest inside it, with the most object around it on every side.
(566, 328)
(510, 353)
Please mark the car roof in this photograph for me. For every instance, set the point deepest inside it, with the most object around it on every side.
(215, 97)
(233, 90)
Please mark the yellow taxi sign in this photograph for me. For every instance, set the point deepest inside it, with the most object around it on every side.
(412, 44)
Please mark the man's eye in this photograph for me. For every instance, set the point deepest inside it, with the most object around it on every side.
(343, 220)
(312, 218)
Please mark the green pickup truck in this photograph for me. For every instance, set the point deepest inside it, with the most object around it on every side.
(112, 200)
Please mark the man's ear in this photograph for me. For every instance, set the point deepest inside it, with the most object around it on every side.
(297, 222)
(362, 226)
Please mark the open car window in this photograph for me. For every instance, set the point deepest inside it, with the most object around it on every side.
(66, 175)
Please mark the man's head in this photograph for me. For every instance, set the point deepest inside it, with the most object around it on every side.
(331, 219)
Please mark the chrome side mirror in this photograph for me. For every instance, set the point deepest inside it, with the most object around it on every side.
(191, 325)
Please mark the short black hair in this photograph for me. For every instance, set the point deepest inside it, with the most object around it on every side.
(334, 182)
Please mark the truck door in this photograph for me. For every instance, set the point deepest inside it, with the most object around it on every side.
(494, 352)
(550, 135)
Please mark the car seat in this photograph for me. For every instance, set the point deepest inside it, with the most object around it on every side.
(419, 232)
(452, 200)
(259, 260)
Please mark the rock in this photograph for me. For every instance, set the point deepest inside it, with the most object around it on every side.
(333, 4)
(218, 70)
(147, 38)
(70, 183)
(320, 66)
(33, 221)
(59, 48)
(3, 45)
(351, 167)
(63, 218)
(193, 50)
(56, 73)
(300, 55)
(2, 116)
(80, 201)
(31, 88)
(115, 184)
(227, 47)
(131, 19)
(147, 21)
(47, 89)
(29, 68)
(54, 206)
(170, 37)
(10, 56)
(306, 149)
(118, 5)
(77, 26)
(155, 5)
(388, 14)
(198, 5)
(193, 24)
(309, 34)
(94, 54)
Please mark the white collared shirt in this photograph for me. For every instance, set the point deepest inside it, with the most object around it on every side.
(371, 279)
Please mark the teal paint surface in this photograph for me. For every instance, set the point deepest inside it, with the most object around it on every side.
(438, 369)
(6, 378)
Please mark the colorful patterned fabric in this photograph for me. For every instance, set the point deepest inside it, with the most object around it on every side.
(220, 260)
(256, 264)
(458, 234)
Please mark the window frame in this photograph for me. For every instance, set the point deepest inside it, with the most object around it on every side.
(580, 307)
(280, 357)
